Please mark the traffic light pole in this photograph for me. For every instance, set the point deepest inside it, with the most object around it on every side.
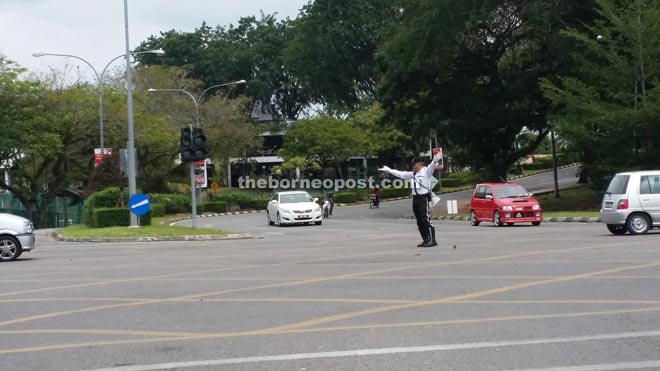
(193, 194)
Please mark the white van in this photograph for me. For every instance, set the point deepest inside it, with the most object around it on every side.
(632, 202)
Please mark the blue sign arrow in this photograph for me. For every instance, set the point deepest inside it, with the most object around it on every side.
(139, 204)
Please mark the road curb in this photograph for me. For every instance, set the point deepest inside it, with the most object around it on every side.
(233, 236)
(555, 219)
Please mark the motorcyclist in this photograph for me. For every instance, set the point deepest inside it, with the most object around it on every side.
(330, 197)
(375, 195)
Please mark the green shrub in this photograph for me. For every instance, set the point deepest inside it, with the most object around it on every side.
(109, 217)
(110, 197)
(394, 192)
(345, 197)
(115, 217)
(215, 207)
(174, 203)
(157, 210)
(239, 199)
(258, 203)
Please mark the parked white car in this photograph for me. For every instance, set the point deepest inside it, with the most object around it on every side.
(16, 236)
(293, 207)
(632, 202)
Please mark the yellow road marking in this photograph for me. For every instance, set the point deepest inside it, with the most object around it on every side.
(455, 298)
(327, 329)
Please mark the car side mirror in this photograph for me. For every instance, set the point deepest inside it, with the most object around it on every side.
(273, 202)
(489, 197)
(316, 199)
(530, 195)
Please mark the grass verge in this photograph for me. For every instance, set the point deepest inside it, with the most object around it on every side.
(83, 231)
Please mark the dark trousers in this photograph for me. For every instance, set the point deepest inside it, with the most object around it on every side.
(421, 211)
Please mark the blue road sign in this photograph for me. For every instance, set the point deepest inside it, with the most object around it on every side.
(139, 204)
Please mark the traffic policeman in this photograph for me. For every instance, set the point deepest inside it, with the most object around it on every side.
(420, 175)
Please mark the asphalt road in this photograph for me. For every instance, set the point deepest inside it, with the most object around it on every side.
(352, 294)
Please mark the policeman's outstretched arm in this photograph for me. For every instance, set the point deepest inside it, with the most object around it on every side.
(431, 168)
(397, 173)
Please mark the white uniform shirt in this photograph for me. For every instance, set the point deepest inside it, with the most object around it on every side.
(421, 180)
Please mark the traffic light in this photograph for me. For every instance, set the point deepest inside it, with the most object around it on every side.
(199, 144)
(186, 144)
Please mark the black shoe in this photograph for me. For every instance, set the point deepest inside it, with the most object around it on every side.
(429, 244)
(423, 243)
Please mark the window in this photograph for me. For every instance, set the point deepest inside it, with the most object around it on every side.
(481, 192)
(295, 198)
(649, 185)
(618, 185)
(510, 191)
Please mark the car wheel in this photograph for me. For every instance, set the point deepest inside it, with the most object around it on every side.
(617, 229)
(10, 248)
(279, 220)
(270, 222)
(510, 224)
(638, 224)
(536, 224)
(473, 219)
(497, 219)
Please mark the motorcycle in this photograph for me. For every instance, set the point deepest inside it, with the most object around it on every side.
(375, 202)
(326, 208)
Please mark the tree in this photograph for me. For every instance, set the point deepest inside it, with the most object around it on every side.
(608, 105)
(333, 49)
(51, 148)
(251, 50)
(470, 71)
(229, 133)
(324, 139)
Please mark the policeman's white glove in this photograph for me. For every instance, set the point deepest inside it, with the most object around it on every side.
(384, 168)
(437, 157)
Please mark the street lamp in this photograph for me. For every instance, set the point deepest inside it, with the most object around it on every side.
(99, 79)
(193, 186)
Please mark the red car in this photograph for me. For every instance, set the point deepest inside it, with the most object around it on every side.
(504, 203)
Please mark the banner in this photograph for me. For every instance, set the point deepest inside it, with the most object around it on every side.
(200, 173)
(98, 156)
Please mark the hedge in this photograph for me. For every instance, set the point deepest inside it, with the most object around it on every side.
(394, 192)
(110, 197)
(215, 207)
(157, 210)
(258, 203)
(115, 217)
(239, 199)
(174, 203)
(345, 197)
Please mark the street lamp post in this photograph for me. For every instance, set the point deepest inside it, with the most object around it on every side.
(193, 186)
(99, 79)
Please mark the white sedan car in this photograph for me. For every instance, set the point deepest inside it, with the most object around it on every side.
(292, 208)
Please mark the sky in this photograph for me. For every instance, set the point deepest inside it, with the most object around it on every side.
(95, 31)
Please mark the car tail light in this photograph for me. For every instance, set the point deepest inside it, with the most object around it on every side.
(622, 205)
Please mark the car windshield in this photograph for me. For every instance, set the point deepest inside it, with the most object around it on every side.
(512, 191)
(295, 198)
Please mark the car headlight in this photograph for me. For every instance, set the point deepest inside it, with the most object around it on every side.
(29, 228)
(507, 208)
(285, 211)
(317, 210)
(536, 207)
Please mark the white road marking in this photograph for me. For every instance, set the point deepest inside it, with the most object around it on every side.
(603, 367)
(399, 350)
